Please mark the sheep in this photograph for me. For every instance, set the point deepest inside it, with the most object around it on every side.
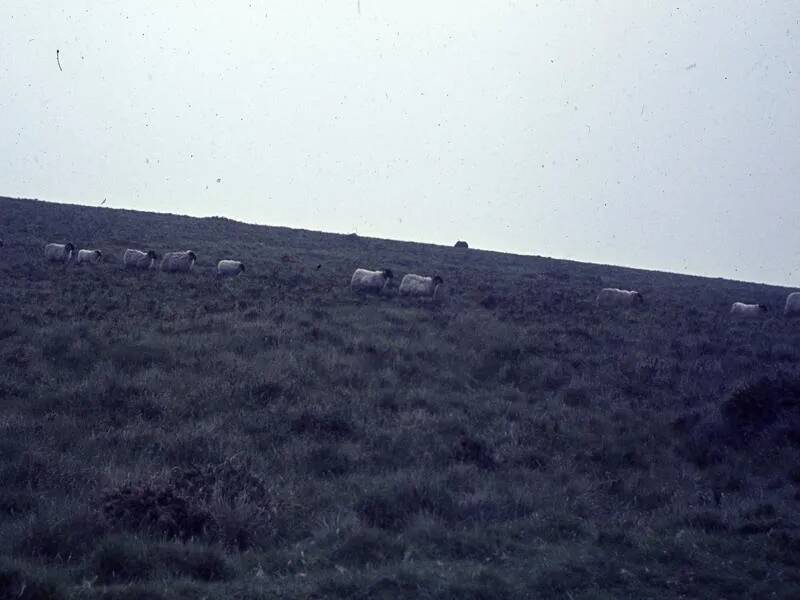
(614, 296)
(370, 281)
(461, 244)
(136, 259)
(417, 285)
(740, 309)
(792, 304)
(229, 268)
(61, 253)
(174, 262)
(91, 257)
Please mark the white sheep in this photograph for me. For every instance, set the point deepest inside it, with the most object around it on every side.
(59, 252)
(740, 309)
(136, 259)
(175, 262)
(229, 268)
(616, 297)
(89, 257)
(367, 281)
(417, 285)
(792, 304)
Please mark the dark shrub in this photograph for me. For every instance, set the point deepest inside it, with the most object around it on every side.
(490, 302)
(226, 502)
(121, 560)
(157, 511)
(368, 547)
(133, 357)
(229, 481)
(706, 521)
(16, 583)
(134, 592)
(322, 425)
(401, 585)
(391, 508)
(474, 450)
(28, 471)
(486, 586)
(328, 461)
(203, 564)
(68, 539)
(16, 503)
(754, 406)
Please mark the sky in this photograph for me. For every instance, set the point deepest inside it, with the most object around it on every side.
(648, 134)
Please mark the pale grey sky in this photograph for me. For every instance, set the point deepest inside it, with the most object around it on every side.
(639, 133)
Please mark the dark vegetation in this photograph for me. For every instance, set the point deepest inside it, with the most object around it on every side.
(275, 436)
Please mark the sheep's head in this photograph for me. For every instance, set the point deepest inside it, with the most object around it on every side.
(98, 254)
(388, 273)
(192, 255)
(151, 254)
(241, 267)
(69, 247)
(763, 308)
(437, 280)
(638, 298)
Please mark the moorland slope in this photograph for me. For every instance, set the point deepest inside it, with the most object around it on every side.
(276, 436)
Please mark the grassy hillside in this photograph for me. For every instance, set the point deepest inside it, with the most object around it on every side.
(275, 436)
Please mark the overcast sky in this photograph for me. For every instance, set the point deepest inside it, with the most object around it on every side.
(649, 134)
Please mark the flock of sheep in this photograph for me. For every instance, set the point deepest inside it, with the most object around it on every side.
(172, 262)
(363, 280)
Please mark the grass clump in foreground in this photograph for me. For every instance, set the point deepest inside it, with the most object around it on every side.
(277, 436)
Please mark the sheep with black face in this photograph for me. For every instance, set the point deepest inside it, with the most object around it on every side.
(178, 262)
(60, 253)
(89, 257)
(137, 259)
(370, 282)
(740, 309)
(230, 268)
(617, 297)
(420, 286)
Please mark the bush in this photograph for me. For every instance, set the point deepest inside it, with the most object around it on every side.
(322, 425)
(368, 547)
(754, 406)
(328, 461)
(66, 539)
(393, 506)
(16, 583)
(121, 560)
(157, 511)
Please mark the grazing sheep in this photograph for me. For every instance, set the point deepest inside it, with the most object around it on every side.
(792, 304)
(461, 244)
(370, 281)
(178, 262)
(136, 259)
(741, 309)
(59, 252)
(616, 297)
(90, 257)
(229, 268)
(417, 285)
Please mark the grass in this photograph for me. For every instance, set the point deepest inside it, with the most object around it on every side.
(178, 436)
